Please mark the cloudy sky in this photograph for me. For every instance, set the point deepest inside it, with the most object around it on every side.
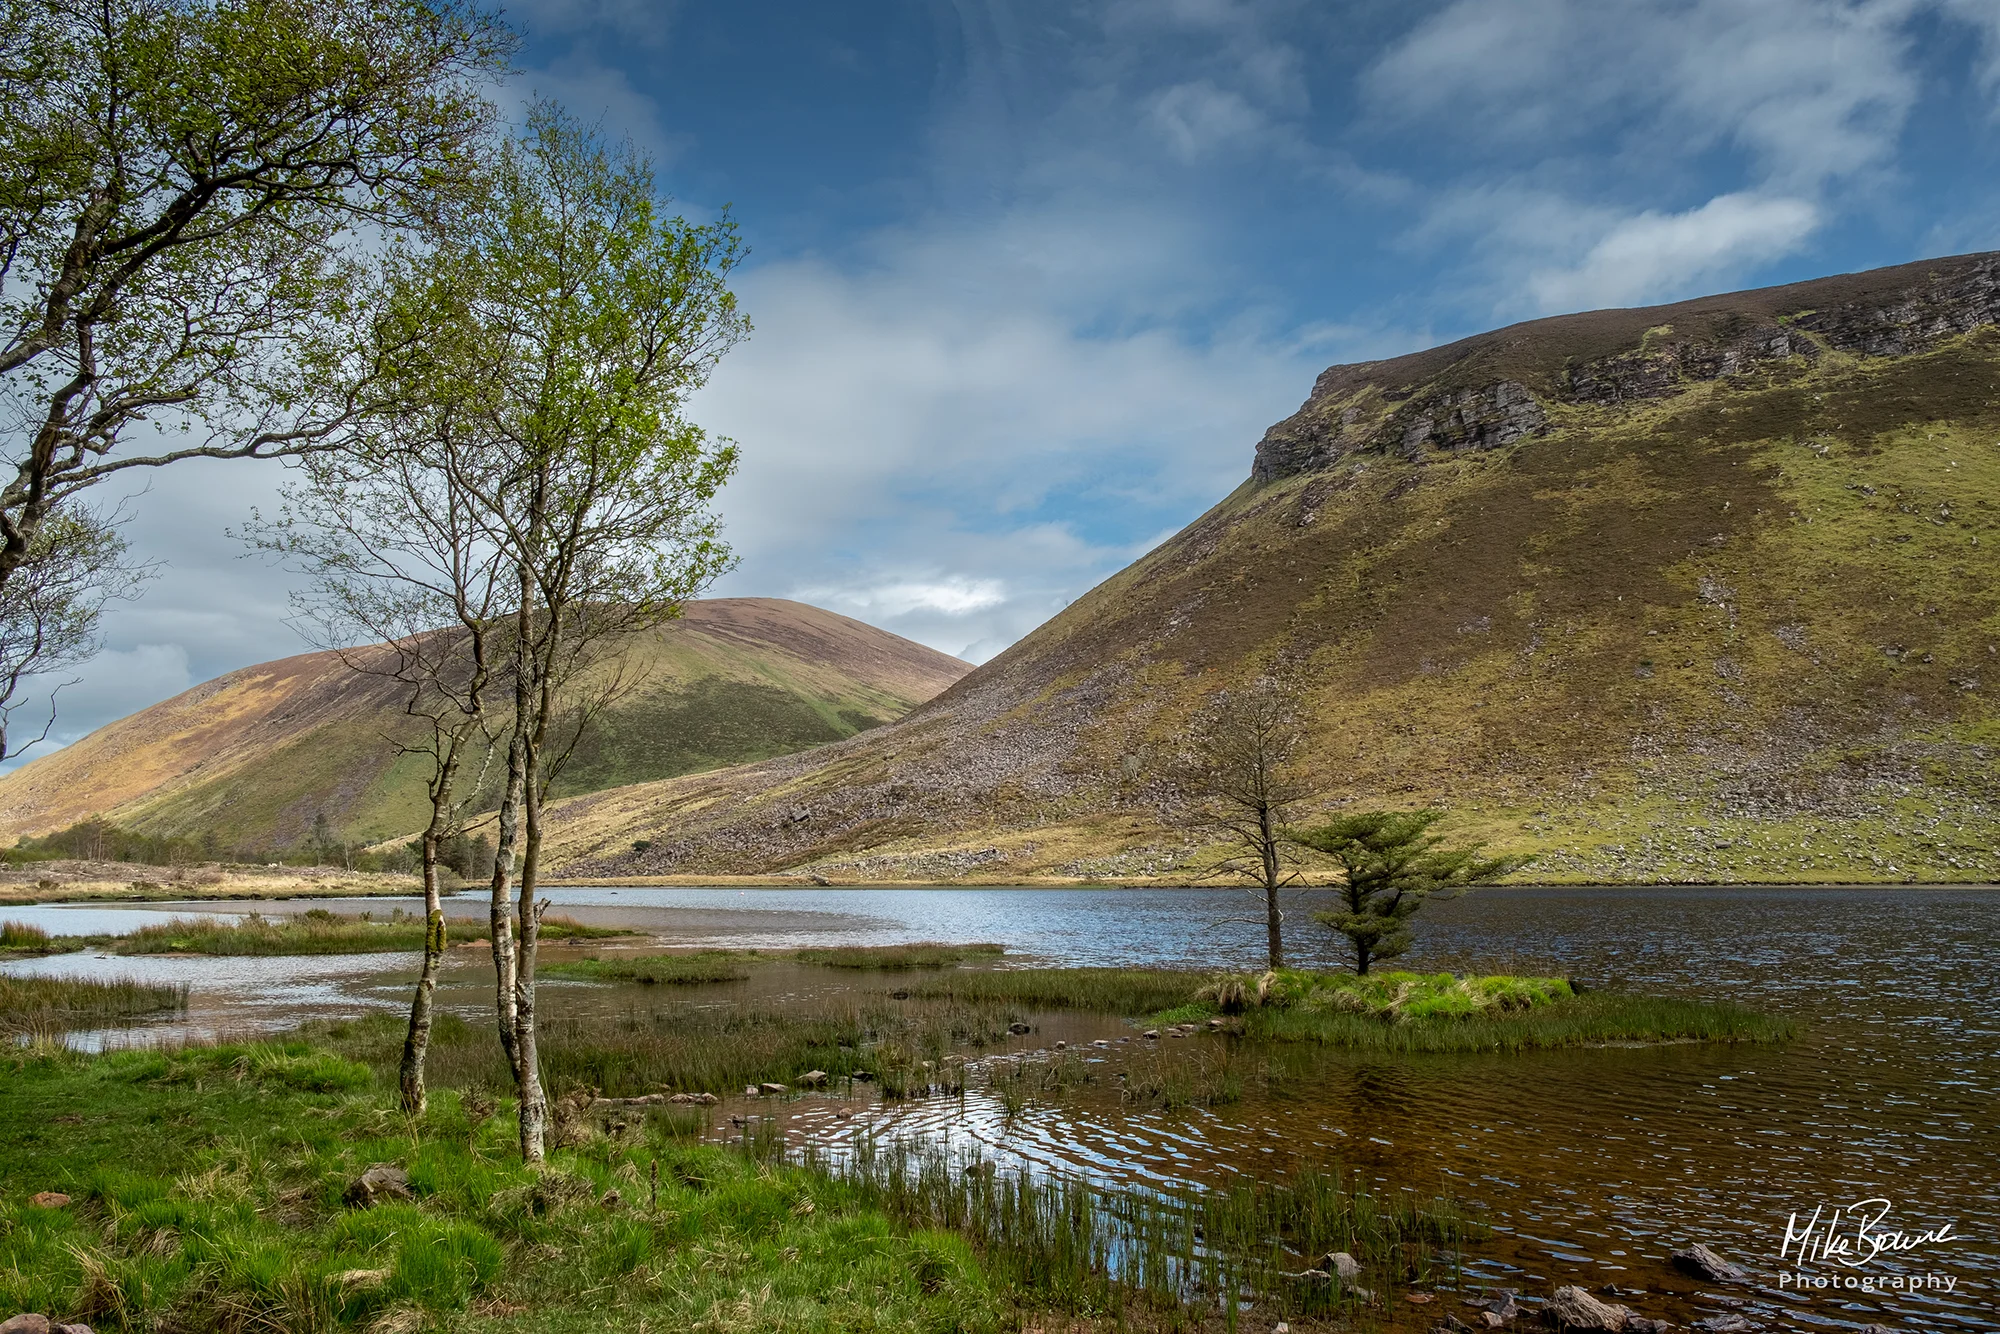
(1029, 279)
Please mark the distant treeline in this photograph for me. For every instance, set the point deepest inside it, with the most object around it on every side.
(469, 857)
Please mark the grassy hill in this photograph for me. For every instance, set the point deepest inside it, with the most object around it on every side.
(254, 757)
(1708, 591)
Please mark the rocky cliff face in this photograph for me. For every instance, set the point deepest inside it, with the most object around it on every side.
(1439, 403)
(1702, 591)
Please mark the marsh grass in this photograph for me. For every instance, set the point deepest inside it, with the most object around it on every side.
(1095, 1250)
(1593, 1019)
(657, 969)
(52, 1004)
(22, 936)
(694, 1048)
(898, 958)
(315, 932)
(1122, 991)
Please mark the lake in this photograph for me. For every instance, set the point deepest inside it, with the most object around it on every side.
(1590, 1165)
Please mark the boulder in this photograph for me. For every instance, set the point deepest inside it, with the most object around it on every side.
(28, 1322)
(813, 1079)
(1343, 1266)
(1702, 1263)
(749, 1090)
(1572, 1308)
(382, 1181)
(774, 1088)
(1017, 1028)
(71, 1328)
(1723, 1324)
(1151, 1033)
(47, 1199)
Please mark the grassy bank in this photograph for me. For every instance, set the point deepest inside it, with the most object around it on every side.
(52, 1004)
(734, 965)
(134, 882)
(315, 932)
(240, 1220)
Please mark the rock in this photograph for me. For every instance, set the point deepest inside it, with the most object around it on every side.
(48, 1199)
(1017, 1028)
(71, 1328)
(1312, 1276)
(695, 1099)
(28, 1322)
(1723, 1324)
(1572, 1308)
(1705, 1264)
(1450, 1324)
(1493, 1319)
(845, 1113)
(382, 1181)
(813, 1079)
(1151, 1033)
(1343, 1266)
(749, 1090)
(1419, 1299)
(774, 1088)
(1061, 1045)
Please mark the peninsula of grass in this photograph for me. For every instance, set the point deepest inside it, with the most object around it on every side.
(1392, 1012)
(315, 932)
(18, 938)
(52, 1004)
(241, 1220)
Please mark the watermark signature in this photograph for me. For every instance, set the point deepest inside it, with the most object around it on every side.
(1852, 1237)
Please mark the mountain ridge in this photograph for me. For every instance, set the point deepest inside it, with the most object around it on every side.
(1681, 592)
(276, 744)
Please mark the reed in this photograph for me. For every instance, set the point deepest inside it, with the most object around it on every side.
(22, 936)
(899, 958)
(1593, 1019)
(50, 1004)
(1091, 1249)
(1125, 991)
(654, 970)
(314, 932)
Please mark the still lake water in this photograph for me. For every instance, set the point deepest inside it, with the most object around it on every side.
(1590, 1165)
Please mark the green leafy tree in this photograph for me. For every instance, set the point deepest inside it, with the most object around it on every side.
(1391, 865)
(572, 316)
(188, 190)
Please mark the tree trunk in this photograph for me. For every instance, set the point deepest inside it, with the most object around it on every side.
(534, 1099)
(500, 911)
(416, 1043)
(1274, 919)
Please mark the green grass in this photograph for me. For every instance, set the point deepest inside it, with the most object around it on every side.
(315, 932)
(50, 1004)
(892, 958)
(235, 1222)
(1438, 1012)
(673, 969)
(1126, 991)
(22, 936)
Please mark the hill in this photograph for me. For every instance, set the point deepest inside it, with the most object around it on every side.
(1707, 591)
(255, 756)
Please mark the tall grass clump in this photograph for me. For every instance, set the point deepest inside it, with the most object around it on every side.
(898, 958)
(315, 932)
(1091, 1249)
(668, 969)
(51, 1004)
(1122, 991)
(22, 936)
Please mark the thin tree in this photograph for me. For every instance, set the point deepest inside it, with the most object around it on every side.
(588, 315)
(1391, 865)
(1245, 774)
(188, 189)
(401, 564)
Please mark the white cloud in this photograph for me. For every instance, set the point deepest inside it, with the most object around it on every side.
(1653, 255)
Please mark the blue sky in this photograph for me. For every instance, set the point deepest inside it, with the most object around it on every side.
(1030, 279)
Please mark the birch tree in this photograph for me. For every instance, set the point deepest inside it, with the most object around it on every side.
(591, 315)
(402, 564)
(1245, 777)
